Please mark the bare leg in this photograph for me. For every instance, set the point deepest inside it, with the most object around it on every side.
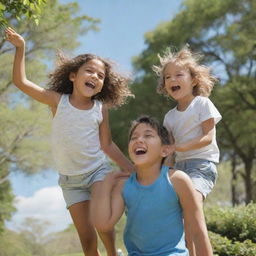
(189, 239)
(87, 234)
(107, 238)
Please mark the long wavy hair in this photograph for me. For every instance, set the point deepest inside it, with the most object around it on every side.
(204, 80)
(115, 87)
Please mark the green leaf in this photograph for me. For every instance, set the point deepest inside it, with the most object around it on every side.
(2, 7)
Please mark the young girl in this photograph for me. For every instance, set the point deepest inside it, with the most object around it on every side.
(81, 88)
(192, 122)
(156, 198)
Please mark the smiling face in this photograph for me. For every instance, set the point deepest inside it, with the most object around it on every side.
(178, 81)
(145, 146)
(89, 79)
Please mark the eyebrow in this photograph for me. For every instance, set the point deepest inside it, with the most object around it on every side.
(149, 130)
(94, 68)
(145, 131)
(176, 71)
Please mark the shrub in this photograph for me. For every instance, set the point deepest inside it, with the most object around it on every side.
(222, 246)
(237, 224)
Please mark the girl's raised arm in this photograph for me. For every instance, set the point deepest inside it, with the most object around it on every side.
(38, 93)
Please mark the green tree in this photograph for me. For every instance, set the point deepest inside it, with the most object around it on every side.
(28, 241)
(17, 9)
(24, 123)
(12, 244)
(224, 31)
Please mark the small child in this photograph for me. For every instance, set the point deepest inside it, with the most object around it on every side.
(80, 91)
(156, 199)
(192, 122)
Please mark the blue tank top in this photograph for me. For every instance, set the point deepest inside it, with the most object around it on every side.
(154, 223)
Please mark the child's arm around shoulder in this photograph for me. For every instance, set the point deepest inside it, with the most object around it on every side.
(192, 212)
(109, 147)
(38, 93)
(108, 207)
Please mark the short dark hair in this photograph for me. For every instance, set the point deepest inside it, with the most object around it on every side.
(154, 123)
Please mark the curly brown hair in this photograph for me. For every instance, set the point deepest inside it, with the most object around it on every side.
(115, 88)
(200, 74)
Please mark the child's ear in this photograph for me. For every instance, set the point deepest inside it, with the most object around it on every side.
(72, 76)
(167, 150)
(194, 81)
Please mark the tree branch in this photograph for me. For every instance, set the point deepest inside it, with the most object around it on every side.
(6, 155)
(242, 97)
(2, 180)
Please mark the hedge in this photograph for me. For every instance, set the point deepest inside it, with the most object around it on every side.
(222, 246)
(237, 224)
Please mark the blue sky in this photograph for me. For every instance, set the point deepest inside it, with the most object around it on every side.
(121, 36)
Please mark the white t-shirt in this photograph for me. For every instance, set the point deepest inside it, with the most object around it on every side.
(186, 125)
(75, 138)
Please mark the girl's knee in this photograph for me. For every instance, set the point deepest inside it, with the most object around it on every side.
(88, 241)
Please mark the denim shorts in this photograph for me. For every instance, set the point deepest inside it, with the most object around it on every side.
(203, 173)
(77, 188)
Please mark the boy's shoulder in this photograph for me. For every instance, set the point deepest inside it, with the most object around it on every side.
(178, 176)
(181, 182)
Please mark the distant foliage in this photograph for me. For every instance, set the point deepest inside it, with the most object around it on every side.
(6, 199)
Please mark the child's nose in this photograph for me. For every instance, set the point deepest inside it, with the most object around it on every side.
(94, 75)
(140, 139)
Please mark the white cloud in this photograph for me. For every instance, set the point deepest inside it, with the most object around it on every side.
(46, 204)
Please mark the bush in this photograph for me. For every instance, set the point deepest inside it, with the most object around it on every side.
(222, 246)
(237, 224)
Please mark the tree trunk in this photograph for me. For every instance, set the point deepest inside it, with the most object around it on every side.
(234, 196)
(248, 181)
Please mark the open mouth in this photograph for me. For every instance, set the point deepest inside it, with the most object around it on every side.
(140, 151)
(90, 85)
(175, 88)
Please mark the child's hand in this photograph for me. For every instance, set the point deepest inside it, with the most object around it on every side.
(180, 148)
(112, 178)
(130, 169)
(14, 38)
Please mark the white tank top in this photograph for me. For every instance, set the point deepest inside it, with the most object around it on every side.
(75, 138)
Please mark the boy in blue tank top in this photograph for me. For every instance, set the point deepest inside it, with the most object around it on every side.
(156, 199)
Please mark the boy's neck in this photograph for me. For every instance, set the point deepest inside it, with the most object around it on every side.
(146, 175)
